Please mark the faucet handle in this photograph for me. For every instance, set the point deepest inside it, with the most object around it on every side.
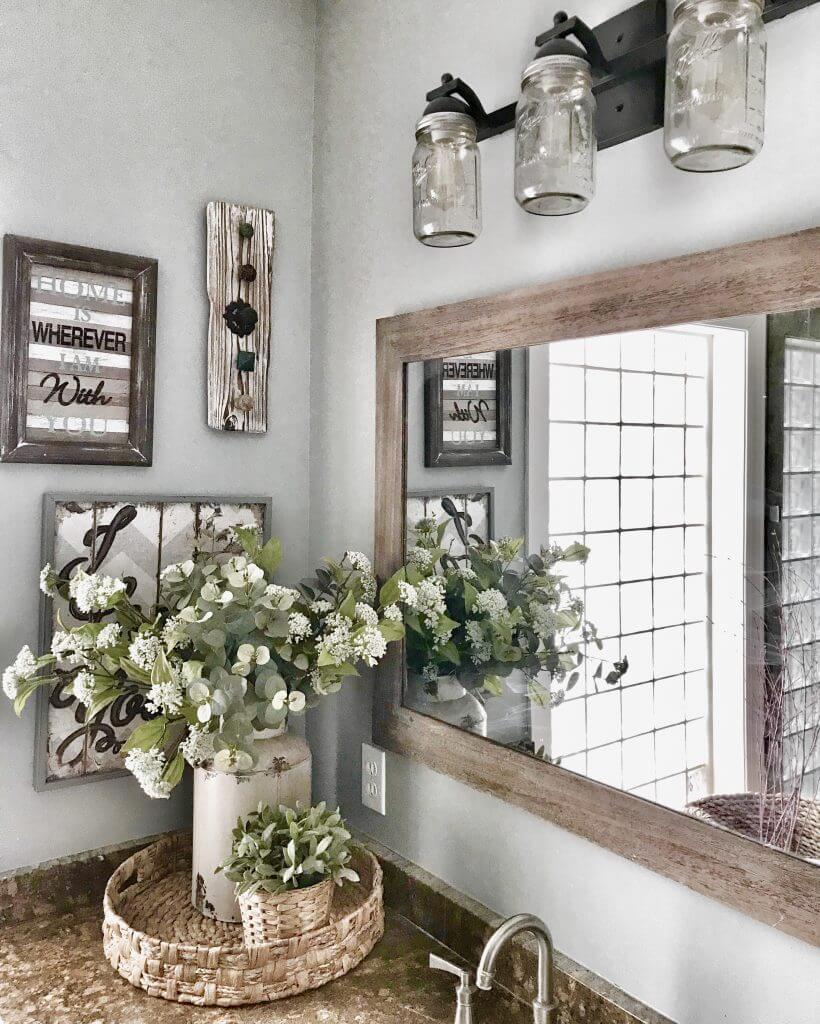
(438, 963)
(464, 990)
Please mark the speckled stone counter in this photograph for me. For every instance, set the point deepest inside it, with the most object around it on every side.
(52, 971)
(52, 968)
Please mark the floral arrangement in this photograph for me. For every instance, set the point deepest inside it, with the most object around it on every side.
(284, 849)
(484, 614)
(227, 652)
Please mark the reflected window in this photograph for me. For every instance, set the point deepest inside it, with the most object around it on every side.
(626, 470)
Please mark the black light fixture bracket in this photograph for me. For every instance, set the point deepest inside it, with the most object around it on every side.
(627, 54)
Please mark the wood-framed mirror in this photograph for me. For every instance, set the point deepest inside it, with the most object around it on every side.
(650, 680)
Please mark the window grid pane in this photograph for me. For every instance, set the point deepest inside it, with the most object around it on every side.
(629, 478)
(801, 561)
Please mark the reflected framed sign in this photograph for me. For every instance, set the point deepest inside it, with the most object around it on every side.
(468, 404)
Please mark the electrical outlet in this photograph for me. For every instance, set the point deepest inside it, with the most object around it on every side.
(373, 779)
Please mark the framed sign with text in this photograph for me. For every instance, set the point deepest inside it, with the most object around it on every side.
(467, 410)
(77, 355)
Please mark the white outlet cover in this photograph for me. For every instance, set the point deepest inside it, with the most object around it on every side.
(374, 779)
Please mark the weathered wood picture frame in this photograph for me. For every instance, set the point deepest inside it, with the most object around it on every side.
(770, 276)
(133, 537)
(481, 402)
(77, 355)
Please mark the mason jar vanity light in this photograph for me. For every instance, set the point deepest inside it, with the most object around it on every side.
(590, 88)
(715, 84)
(446, 176)
(555, 142)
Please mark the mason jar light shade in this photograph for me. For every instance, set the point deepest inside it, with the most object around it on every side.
(555, 140)
(715, 84)
(446, 177)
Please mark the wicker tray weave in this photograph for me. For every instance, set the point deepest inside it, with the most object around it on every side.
(158, 942)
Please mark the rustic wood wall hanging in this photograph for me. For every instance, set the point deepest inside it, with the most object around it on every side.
(133, 538)
(240, 275)
(77, 354)
(468, 405)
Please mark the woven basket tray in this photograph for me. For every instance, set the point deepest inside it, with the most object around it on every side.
(158, 942)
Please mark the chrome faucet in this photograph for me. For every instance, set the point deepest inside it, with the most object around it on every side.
(464, 990)
(544, 1003)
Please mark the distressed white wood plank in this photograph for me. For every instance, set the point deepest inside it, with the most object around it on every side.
(225, 382)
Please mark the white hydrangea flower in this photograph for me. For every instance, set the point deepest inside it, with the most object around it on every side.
(144, 650)
(408, 594)
(10, 682)
(173, 632)
(164, 698)
(299, 627)
(25, 664)
(48, 579)
(421, 558)
(364, 613)
(71, 647)
(197, 747)
(370, 645)
(543, 619)
(147, 767)
(83, 687)
(336, 641)
(430, 600)
(92, 592)
(321, 607)
(393, 613)
(282, 597)
(480, 648)
(359, 561)
(466, 572)
(492, 603)
(369, 586)
(109, 636)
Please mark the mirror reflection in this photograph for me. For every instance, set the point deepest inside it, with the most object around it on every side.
(613, 562)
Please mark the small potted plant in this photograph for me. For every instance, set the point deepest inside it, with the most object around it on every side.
(286, 864)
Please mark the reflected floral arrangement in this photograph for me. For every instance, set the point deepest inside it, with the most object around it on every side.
(493, 616)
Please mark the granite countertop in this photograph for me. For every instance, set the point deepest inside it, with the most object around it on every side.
(52, 971)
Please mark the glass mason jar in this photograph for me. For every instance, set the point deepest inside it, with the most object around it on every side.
(555, 140)
(715, 84)
(446, 180)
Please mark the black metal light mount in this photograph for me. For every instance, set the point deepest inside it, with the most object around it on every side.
(627, 55)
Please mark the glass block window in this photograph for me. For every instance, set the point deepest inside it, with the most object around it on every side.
(627, 469)
(800, 578)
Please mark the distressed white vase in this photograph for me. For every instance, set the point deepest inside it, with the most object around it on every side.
(282, 776)
(452, 703)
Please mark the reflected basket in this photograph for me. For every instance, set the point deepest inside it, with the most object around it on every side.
(741, 812)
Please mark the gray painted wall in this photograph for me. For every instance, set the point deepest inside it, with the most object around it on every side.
(690, 957)
(120, 121)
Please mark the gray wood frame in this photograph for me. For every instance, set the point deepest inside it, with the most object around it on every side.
(42, 783)
(774, 275)
(19, 255)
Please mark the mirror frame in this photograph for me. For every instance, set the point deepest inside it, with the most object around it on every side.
(773, 275)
